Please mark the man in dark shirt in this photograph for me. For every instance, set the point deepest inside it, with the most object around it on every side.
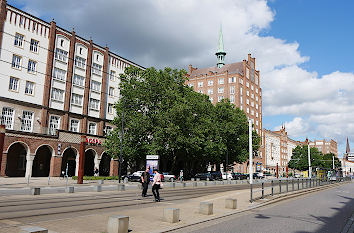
(145, 180)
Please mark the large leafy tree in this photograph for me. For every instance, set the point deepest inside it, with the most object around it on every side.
(299, 158)
(327, 161)
(164, 116)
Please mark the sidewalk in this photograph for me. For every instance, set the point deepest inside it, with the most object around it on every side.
(144, 219)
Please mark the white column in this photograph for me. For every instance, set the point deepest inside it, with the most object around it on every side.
(250, 151)
(77, 165)
(97, 163)
(29, 165)
(309, 159)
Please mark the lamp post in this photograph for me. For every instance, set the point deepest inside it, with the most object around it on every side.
(121, 145)
(250, 151)
(309, 159)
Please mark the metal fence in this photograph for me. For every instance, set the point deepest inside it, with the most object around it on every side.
(279, 186)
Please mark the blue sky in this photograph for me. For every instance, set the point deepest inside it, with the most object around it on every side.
(303, 48)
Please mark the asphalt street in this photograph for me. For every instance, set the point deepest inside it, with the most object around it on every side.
(324, 211)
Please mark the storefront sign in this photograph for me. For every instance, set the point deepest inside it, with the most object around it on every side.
(153, 157)
(94, 141)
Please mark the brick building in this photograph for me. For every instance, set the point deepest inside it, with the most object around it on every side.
(56, 87)
(239, 82)
(325, 146)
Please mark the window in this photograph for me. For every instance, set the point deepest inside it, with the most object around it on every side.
(241, 100)
(190, 85)
(59, 74)
(97, 57)
(79, 80)
(80, 62)
(7, 117)
(248, 110)
(211, 99)
(252, 87)
(112, 75)
(61, 55)
(247, 84)
(200, 91)
(232, 80)
(76, 99)
(29, 89)
(96, 69)
(26, 121)
(14, 84)
(220, 90)
(252, 112)
(252, 104)
(34, 26)
(221, 81)
(95, 86)
(232, 90)
(16, 61)
(252, 95)
(210, 91)
(220, 98)
(247, 101)
(240, 90)
(80, 50)
(108, 129)
(210, 83)
(256, 114)
(232, 98)
(34, 45)
(18, 40)
(256, 97)
(248, 93)
(256, 106)
(57, 94)
(74, 125)
(31, 66)
(92, 128)
(241, 107)
(247, 73)
(111, 91)
(61, 42)
(200, 84)
(94, 104)
(241, 81)
(110, 108)
(53, 124)
(257, 90)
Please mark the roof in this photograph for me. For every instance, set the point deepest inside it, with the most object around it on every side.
(232, 68)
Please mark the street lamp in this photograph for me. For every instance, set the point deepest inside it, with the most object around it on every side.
(250, 150)
(309, 159)
(121, 145)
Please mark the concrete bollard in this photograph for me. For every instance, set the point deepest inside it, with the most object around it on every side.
(121, 187)
(206, 208)
(205, 183)
(195, 184)
(36, 191)
(100, 181)
(172, 185)
(97, 188)
(32, 229)
(118, 224)
(192, 179)
(70, 189)
(231, 203)
(171, 215)
(184, 184)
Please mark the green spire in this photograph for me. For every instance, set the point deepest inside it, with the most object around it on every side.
(220, 54)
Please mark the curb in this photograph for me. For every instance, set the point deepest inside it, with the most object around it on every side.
(266, 203)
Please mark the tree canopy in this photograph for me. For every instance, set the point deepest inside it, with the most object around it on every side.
(163, 116)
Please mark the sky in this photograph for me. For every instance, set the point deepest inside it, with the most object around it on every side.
(303, 49)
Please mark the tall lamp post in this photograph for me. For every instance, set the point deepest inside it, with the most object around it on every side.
(121, 145)
(309, 158)
(250, 151)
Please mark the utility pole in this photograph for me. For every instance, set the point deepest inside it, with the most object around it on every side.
(333, 162)
(121, 145)
(309, 158)
(250, 151)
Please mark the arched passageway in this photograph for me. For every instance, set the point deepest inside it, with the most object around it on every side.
(16, 160)
(41, 162)
(105, 164)
(68, 163)
(89, 162)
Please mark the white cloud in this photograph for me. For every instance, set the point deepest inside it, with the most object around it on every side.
(296, 128)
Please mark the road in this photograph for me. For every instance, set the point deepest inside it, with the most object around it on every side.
(324, 211)
(27, 209)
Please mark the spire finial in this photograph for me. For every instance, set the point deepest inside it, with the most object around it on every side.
(220, 54)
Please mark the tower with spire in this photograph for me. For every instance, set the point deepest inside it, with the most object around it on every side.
(220, 54)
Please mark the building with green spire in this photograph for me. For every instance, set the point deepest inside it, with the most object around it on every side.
(220, 54)
(240, 83)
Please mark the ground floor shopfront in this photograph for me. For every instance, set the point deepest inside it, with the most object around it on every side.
(35, 155)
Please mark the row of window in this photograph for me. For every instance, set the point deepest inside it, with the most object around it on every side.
(14, 85)
(7, 118)
(20, 40)
(17, 64)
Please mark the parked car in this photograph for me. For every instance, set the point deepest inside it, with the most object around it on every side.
(217, 175)
(239, 176)
(204, 176)
(168, 177)
(152, 177)
(227, 176)
(135, 177)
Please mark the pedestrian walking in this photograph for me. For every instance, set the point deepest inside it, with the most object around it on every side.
(145, 180)
(156, 185)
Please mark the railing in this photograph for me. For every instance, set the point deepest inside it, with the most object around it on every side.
(274, 187)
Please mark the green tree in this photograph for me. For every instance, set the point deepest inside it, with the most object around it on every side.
(328, 163)
(299, 158)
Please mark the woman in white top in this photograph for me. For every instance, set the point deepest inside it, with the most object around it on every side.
(156, 185)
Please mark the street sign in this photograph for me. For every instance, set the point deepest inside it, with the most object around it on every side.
(152, 157)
